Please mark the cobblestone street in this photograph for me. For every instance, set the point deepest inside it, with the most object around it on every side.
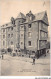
(19, 66)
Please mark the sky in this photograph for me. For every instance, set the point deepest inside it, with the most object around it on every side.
(11, 8)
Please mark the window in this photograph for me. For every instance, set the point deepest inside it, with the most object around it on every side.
(11, 42)
(44, 26)
(11, 28)
(8, 28)
(21, 27)
(3, 36)
(42, 34)
(12, 20)
(29, 25)
(8, 35)
(21, 42)
(30, 18)
(45, 34)
(3, 30)
(29, 34)
(12, 35)
(21, 34)
(29, 43)
(3, 43)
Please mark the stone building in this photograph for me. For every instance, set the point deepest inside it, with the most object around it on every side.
(25, 33)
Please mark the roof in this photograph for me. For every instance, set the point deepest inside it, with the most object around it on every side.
(41, 16)
(6, 25)
(21, 15)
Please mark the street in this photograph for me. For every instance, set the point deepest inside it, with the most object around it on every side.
(22, 66)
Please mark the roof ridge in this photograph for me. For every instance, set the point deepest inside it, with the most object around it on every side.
(40, 12)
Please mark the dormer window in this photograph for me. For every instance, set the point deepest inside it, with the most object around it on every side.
(12, 20)
(30, 18)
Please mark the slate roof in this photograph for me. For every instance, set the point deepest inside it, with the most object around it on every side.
(6, 25)
(40, 16)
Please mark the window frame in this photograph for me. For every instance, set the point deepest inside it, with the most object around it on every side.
(12, 35)
(29, 43)
(29, 25)
(8, 28)
(21, 43)
(11, 42)
(3, 30)
(29, 34)
(11, 28)
(3, 36)
(8, 35)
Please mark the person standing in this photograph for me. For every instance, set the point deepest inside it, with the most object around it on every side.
(45, 52)
(29, 53)
(2, 56)
(34, 60)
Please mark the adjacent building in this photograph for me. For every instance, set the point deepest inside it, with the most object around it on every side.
(25, 33)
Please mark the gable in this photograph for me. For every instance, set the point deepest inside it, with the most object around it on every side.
(45, 19)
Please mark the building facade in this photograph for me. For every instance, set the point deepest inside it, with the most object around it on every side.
(25, 33)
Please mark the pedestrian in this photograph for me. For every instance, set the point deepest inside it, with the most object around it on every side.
(2, 56)
(45, 52)
(34, 60)
(29, 53)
